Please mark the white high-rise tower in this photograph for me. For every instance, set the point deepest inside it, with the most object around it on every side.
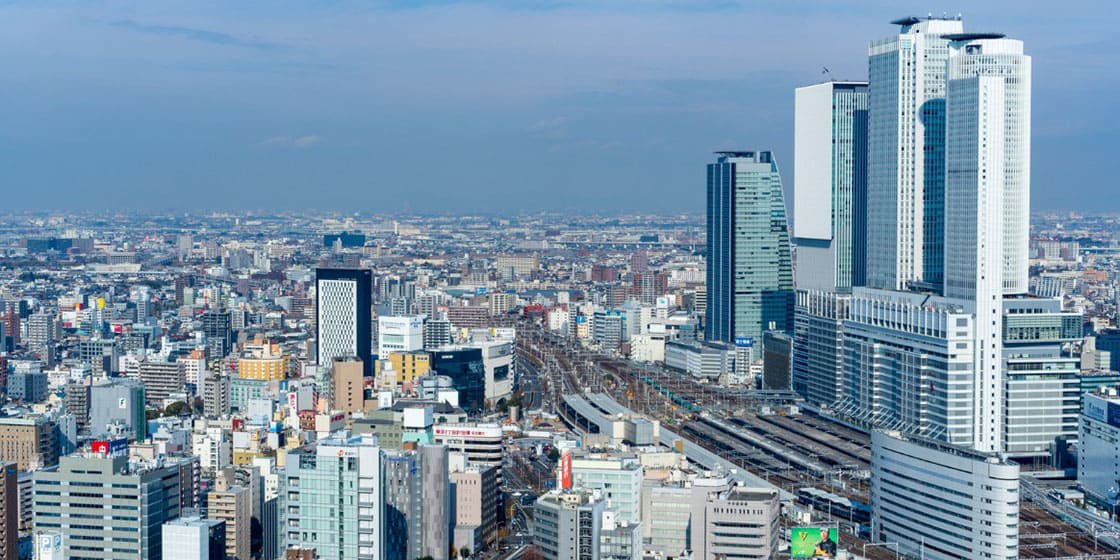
(987, 202)
(991, 79)
(906, 157)
(954, 142)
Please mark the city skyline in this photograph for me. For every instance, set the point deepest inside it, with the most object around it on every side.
(137, 103)
(907, 361)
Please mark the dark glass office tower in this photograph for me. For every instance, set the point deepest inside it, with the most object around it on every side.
(342, 316)
(750, 272)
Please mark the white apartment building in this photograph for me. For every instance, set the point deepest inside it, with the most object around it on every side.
(618, 479)
(399, 334)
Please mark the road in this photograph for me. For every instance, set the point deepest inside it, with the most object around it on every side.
(529, 384)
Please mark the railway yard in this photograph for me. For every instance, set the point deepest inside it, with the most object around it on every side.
(822, 461)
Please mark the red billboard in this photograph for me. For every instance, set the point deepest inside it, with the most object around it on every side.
(566, 469)
(110, 447)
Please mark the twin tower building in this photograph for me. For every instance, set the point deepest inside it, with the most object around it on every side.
(911, 227)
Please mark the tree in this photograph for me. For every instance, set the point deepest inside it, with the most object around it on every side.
(176, 408)
(553, 455)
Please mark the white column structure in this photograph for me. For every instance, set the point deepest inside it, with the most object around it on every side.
(986, 202)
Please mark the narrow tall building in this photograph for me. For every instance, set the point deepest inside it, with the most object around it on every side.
(988, 131)
(347, 385)
(475, 491)
(218, 327)
(232, 506)
(343, 315)
(9, 510)
(830, 226)
(750, 271)
(417, 503)
(906, 153)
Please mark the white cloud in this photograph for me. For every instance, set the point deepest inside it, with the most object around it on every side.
(290, 141)
(548, 124)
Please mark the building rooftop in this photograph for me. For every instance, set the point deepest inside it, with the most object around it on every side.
(23, 420)
(937, 445)
(757, 157)
(912, 20)
(961, 37)
(743, 494)
(438, 407)
(193, 522)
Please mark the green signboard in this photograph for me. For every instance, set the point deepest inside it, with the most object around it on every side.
(813, 542)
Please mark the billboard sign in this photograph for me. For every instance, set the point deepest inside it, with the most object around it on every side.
(1113, 414)
(813, 542)
(1095, 408)
(486, 432)
(1101, 409)
(49, 546)
(566, 469)
(744, 341)
(110, 447)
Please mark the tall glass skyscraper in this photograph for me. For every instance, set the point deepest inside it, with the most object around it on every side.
(830, 228)
(750, 272)
(830, 195)
(906, 143)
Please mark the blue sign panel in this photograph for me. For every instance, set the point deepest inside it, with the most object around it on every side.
(1113, 414)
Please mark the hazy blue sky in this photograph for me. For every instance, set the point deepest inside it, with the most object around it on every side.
(612, 104)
